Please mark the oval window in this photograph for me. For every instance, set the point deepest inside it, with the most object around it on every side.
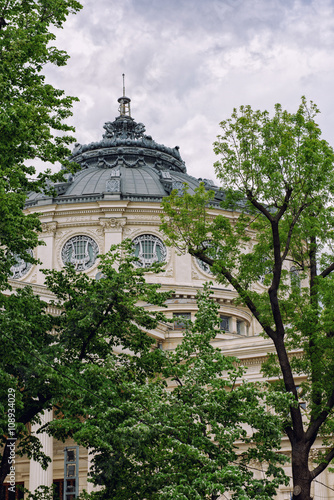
(21, 267)
(80, 251)
(149, 249)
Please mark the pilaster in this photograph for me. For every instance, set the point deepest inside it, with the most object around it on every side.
(38, 476)
(113, 230)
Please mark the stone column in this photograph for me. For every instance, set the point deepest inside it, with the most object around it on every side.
(233, 324)
(38, 476)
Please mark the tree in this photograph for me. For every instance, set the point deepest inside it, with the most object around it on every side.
(45, 359)
(169, 431)
(32, 113)
(278, 182)
(32, 127)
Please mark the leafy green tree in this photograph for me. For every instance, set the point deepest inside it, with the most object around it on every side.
(169, 432)
(32, 118)
(32, 127)
(44, 357)
(277, 178)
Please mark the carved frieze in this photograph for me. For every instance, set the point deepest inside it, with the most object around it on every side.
(79, 218)
(148, 218)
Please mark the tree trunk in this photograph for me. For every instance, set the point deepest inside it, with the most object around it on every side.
(300, 472)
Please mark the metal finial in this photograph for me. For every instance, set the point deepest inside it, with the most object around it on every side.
(124, 102)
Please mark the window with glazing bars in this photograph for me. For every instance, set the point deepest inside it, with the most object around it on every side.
(180, 320)
(225, 323)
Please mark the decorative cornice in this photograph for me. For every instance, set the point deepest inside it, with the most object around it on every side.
(41, 290)
(253, 361)
(121, 206)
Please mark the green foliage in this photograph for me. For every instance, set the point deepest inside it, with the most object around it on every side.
(278, 181)
(173, 435)
(47, 359)
(25, 336)
(32, 113)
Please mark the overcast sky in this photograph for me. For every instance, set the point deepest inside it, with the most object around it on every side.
(188, 63)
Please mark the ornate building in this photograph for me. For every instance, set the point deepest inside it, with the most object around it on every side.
(116, 194)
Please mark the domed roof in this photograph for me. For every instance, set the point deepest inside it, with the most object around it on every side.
(125, 164)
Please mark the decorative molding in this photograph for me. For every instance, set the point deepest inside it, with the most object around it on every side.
(194, 274)
(64, 213)
(33, 278)
(99, 234)
(61, 234)
(113, 186)
(140, 230)
(79, 218)
(128, 231)
(49, 228)
(148, 218)
(144, 211)
(253, 361)
(65, 225)
(112, 224)
(169, 272)
(37, 288)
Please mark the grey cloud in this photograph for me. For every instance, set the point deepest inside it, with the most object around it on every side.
(189, 62)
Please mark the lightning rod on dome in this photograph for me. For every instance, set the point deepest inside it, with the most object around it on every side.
(124, 102)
